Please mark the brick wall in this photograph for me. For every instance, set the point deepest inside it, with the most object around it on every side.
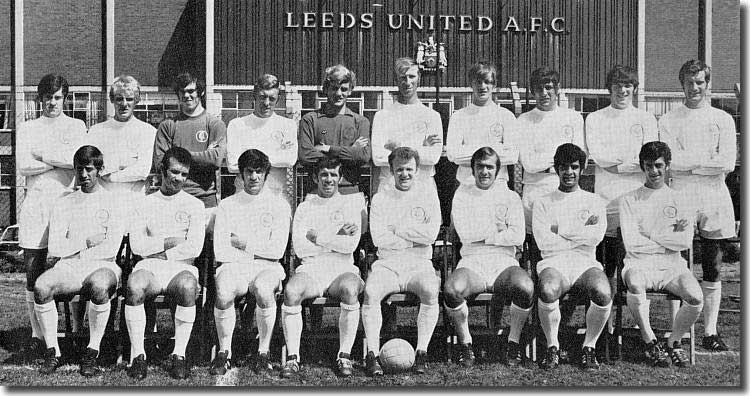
(64, 37)
(156, 39)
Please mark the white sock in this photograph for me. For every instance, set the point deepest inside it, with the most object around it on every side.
(426, 320)
(639, 307)
(549, 320)
(460, 318)
(225, 320)
(46, 314)
(265, 318)
(518, 317)
(184, 317)
(36, 331)
(291, 323)
(348, 323)
(372, 320)
(711, 301)
(135, 319)
(686, 316)
(98, 318)
(596, 319)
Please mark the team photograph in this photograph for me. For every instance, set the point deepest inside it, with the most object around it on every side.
(371, 195)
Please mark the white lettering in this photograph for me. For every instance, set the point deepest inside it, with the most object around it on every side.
(536, 23)
(351, 18)
(309, 19)
(391, 23)
(413, 21)
(446, 21)
(465, 23)
(512, 23)
(289, 22)
(367, 20)
(554, 24)
(481, 20)
(326, 20)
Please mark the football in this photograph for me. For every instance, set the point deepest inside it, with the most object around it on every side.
(396, 355)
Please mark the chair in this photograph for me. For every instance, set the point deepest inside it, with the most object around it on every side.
(620, 300)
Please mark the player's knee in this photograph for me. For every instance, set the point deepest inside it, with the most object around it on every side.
(265, 294)
(549, 291)
(523, 291)
(635, 281)
(185, 290)
(350, 291)
(224, 297)
(373, 293)
(99, 291)
(600, 293)
(293, 294)
(136, 288)
(453, 293)
(428, 291)
(43, 290)
(693, 294)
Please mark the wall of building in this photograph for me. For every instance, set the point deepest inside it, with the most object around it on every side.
(725, 62)
(672, 30)
(254, 36)
(157, 39)
(63, 37)
(6, 48)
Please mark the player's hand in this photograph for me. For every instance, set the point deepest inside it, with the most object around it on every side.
(323, 148)
(553, 228)
(592, 220)
(37, 154)
(680, 225)
(349, 229)
(432, 140)
(312, 235)
(391, 145)
(361, 142)
(171, 242)
(237, 242)
(501, 226)
(95, 240)
(212, 145)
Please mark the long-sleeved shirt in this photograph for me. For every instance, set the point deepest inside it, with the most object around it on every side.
(262, 221)
(614, 138)
(128, 148)
(407, 125)
(477, 213)
(180, 216)
(275, 136)
(195, 134)
(44, 153)
(647, 219)
(569, 212)
(405, 223)
(540, 133)
(339, 132)
(474, 127)
(326, 216)
(78, 216)
(703, 141)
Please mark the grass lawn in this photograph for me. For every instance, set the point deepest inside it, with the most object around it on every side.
(712, 369)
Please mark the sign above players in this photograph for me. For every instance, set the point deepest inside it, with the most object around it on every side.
(423, 23)
(431, 55)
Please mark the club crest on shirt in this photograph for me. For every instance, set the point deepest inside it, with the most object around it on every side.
(419, 127)
(500, 211)
(182, 217)
(496, 131)
(349, 133)
(66, 137)
(337, 217)
(637, 130)
(102, 216)
(201, 136)
(584, 214)
(418, 214)
(715, 129)
(567, 131)
(670, 212)
(266, 219)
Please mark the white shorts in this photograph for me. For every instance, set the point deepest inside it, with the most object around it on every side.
(77, 270)
(165, 270)
(405, 270)
(242, 275)
(531, 193)
(323, 274)
(488, 267)
(713, 205)
(570, 265)
(658, 269)
(33, 221)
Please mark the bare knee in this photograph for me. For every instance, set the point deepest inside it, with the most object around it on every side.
(184, 290)
(522, 291)
(600, 293)
(454, 292)
(349, 291)
(136, 289)
(293, 293)
(635, 281)
(265, 294)
(44, 290)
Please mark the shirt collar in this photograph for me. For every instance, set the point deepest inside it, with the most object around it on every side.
(321, 113)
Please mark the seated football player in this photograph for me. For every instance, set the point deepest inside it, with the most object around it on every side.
(168, 233)
(656, 225)
(568, 224)
(325, 232)
(404, 222)
(85, 233)
(488, 218)
(250, 237)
